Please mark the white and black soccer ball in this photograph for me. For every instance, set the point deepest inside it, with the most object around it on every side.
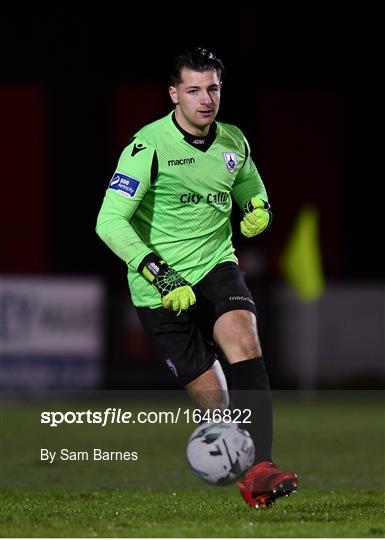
(220, 452)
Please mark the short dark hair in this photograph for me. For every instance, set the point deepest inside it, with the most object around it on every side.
(196, 59)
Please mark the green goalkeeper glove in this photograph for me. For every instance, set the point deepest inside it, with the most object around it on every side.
(257, 217)
(176, 293)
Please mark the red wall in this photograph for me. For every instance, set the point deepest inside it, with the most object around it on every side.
(23, 207)
(137, 105)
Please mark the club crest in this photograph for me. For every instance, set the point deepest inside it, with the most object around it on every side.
(230, 160)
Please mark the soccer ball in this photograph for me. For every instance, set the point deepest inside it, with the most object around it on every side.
(220, 452)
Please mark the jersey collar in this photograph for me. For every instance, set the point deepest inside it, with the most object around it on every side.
(200, 143)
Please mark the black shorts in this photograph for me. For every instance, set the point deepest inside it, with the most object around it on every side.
(185, 341)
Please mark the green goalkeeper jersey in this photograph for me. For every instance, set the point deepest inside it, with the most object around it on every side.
(172, 194)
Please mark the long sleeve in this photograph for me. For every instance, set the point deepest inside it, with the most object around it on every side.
(126, 190)
(114, 228)
(248, 183)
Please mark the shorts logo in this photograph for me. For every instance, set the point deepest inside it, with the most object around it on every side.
(230, 160)
(172, 367)
(123, 184)
(241, 299)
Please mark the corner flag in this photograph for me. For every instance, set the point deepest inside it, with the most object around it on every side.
(301, 262)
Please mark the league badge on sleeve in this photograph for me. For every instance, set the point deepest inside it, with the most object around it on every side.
(123, 184)
(230, 160)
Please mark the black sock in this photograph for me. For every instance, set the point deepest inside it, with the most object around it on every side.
(250, 389)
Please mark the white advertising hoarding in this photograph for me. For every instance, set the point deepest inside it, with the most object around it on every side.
(51, 332)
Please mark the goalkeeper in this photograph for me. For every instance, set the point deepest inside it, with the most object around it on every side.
(166, 213)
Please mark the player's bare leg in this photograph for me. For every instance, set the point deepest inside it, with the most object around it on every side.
(209, 390)
(235, 332)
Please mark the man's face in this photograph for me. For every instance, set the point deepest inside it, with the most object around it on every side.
(197, 100)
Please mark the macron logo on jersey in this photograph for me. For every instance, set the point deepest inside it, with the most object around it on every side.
(186, 161)
(123, 184)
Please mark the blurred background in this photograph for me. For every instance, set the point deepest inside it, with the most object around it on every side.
(305, 86)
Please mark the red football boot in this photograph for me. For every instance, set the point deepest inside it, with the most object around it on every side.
(264, 483)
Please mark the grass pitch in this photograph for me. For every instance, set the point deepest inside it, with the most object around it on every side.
(335, 446)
